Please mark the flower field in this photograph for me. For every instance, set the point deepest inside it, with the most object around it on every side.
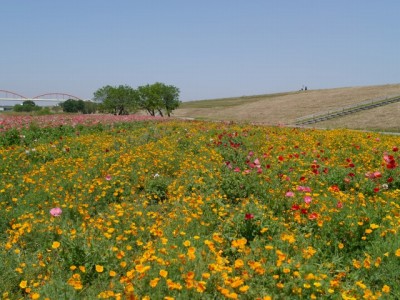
(149, 209)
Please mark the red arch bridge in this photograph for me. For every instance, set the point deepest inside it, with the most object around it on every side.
(9, 98)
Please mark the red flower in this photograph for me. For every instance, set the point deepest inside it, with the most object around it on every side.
(334, 188)
(295, 207)
(313, 216)
(249, 216)
(304, 211)
(390, 162)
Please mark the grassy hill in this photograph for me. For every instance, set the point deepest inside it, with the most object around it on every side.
(285, 108)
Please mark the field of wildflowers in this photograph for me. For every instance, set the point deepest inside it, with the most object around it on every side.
(195, 210)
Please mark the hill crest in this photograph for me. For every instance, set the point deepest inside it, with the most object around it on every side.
(285, 108)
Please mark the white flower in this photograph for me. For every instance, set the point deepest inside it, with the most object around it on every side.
(156, 175)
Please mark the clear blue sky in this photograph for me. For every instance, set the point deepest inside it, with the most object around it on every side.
(208, 49)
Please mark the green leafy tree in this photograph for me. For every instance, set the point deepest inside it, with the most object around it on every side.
(27, 106)
(18, 107)
(28, 103)
(119, 100)
(73, 106)
(90, 107)
(170, 98)
(158, 97)
(149, 98)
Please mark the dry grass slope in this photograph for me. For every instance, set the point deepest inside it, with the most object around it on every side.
(285, 108)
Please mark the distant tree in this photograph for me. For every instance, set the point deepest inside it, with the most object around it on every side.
(90, 107)
(150, 98)
(170, 98)
(73, 106)
(158, 97)
(28, 103)
(18, 107)
(118, 100)
(27, 106)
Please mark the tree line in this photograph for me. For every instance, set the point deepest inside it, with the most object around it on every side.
(157, 98)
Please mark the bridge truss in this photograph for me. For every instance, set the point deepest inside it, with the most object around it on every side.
(9, 98)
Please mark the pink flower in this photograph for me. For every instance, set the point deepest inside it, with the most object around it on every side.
(237, 169)
(56, 211)
(108, 177)
(373, 175)
(289, 194)
(307, 199)
(339, 205)
(377, 174)
(305, 189)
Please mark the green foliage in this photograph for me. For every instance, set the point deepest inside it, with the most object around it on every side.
(89, 107)
(10, 137)
(27, 106)
(158, 97)
(157, 187)
(120, 100)
(44, 111)
(72, 105)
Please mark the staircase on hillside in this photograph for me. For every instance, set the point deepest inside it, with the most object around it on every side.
(307, 120)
